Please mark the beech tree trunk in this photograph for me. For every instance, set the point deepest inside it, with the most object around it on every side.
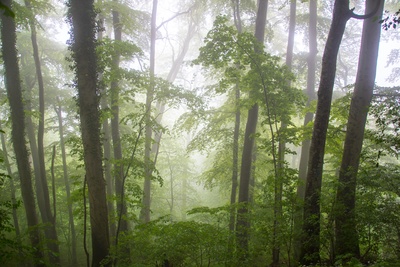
(14, 94)
(83, 30)
(346, 235)
(311, 213)
(311, 224)
(243, 223)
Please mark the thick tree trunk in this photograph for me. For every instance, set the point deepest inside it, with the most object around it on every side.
(74, 259)
(311, 224)
(83, 29)
(242, 225)
(311, 214)
(346, 236)
(14, 93)
(305, 146)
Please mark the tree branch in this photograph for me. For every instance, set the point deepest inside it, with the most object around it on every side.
(366, 16)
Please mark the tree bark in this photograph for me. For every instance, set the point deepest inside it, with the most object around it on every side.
(14, 93)
(346, 235)
(83, 34)
(243, 224)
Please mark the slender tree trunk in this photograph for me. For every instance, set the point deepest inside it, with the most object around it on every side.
(145, 212)
(122, 225)
(242, 225)
(305, 146)
(107, 144)
(14, 93)
(47, 217)
(236, 131)
(346, 235)
(83, 30)
(281, 150)
(67, 186)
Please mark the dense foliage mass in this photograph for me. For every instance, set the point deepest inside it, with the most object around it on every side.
(123, 141)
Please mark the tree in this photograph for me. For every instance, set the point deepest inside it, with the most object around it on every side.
(58, 111)
(311, 213)
(305, 145)
(346, 235)
(13, 86)
(122, 223)
(82, 20)
(45, 205)
(280, 164)
(148, 164)
(242, 224)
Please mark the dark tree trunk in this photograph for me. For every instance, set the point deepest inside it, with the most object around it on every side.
(345, 218)
(14, 93)
(83, 30)
(311, 225)
(243, 224)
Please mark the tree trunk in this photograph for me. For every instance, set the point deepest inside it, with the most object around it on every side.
(311, 213)
(122, 224)
(311, 224)
(47, 216)
(281, 151)
(305, 146)
(14, 93)
(83, 34)
(345, 218)
(67, 186)
(107, 144)
(148, 164)
(236, 131)
(242, 225)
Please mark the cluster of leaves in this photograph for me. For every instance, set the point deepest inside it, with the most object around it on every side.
(391, 20)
